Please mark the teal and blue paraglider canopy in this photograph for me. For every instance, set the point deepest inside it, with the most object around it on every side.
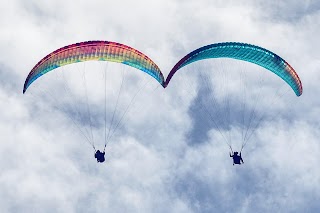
(244, 52)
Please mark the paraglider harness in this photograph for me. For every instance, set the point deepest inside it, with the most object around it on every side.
(237, 159)
(100, 156)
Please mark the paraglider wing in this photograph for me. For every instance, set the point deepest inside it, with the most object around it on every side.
(245, 52)
(94, 51)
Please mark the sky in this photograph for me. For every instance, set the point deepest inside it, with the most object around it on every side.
(167, 155)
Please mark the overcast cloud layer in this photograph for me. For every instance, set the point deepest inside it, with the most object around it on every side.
(155, 162)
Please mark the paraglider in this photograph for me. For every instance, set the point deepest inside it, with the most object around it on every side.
(237, 159)
(95, 51)
(244, 52)
(99, 156)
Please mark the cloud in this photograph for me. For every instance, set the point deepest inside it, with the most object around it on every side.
(152, 162)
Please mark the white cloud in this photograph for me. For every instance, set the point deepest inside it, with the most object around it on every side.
(46, 165)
